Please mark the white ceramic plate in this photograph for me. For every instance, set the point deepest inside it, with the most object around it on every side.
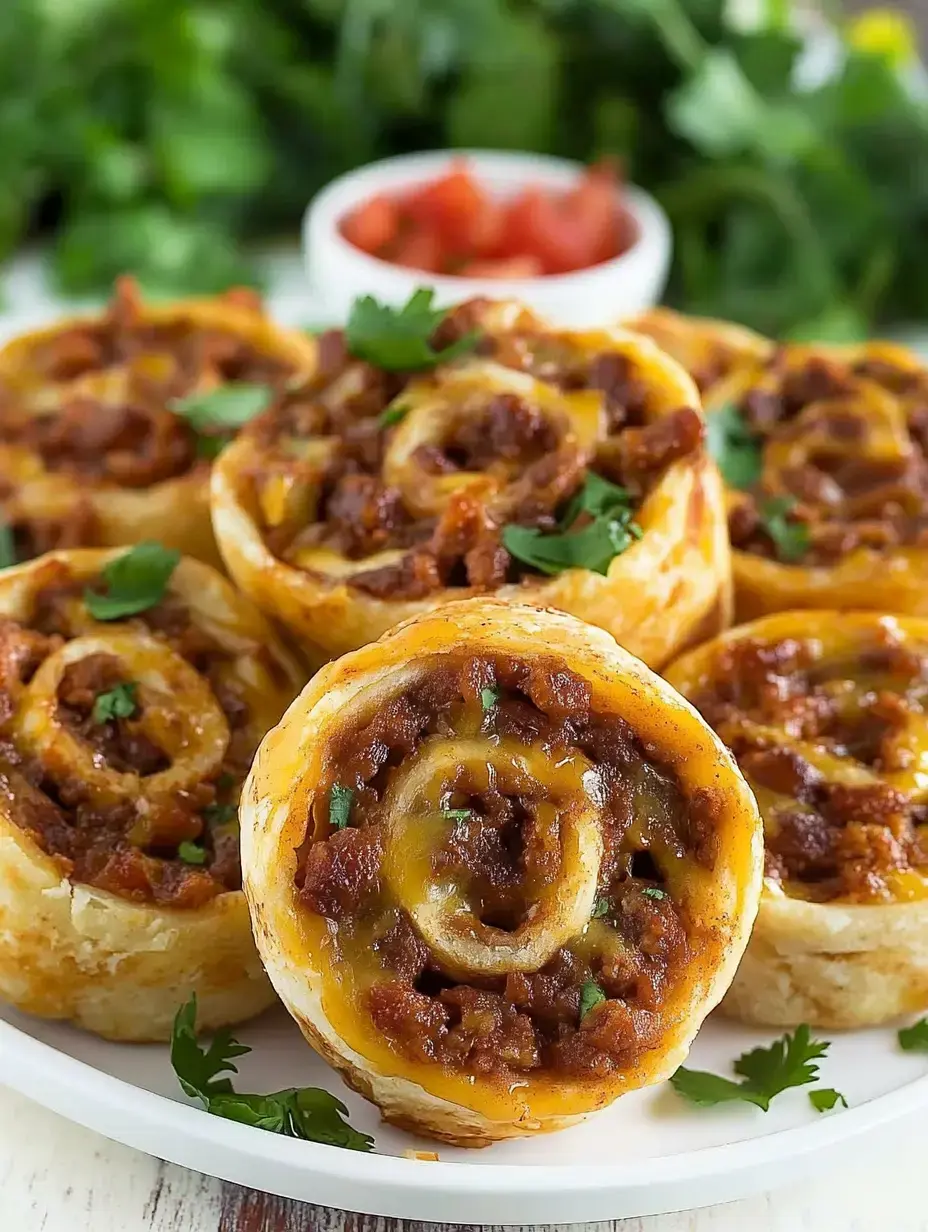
(649, 1153)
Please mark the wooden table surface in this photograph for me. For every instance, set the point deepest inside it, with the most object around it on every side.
(57, 1177)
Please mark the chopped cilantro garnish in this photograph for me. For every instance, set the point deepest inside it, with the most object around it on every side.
(766, 1072)
(297, 1112)
(609, 531)
(736, 450)
(191, 853)
(791, 539)
(825, 1098)
(398, 339)
(117, 703)
(224, 408)
(591, 995)
(340, 801)
(133, 582)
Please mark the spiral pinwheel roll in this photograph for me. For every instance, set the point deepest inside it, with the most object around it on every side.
(826, 715)
(108, 423)
(710, 351)
(498, 871)
(825, 454)
(134, 690)
(557, 467)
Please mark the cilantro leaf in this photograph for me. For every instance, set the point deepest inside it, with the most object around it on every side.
(591, 995)
(305, 1112)
(226, 407)
(734, 447)
(451, 814)
(191, 853)
(397, 339)
(488, 698)
(600, 908)
(825, 1098)
(392, 415)
(654, 892)
(791, 539)
(609, 532)
(117, 703)
(340, 801)
(914, 1038)
(787, 1062)
(220, 814)
(133, 582)
(7, 546)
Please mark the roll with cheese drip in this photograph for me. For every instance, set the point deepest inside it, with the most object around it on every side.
(564, 468)
(134, 689)
(498, 871)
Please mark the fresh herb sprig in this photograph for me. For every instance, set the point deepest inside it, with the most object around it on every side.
(398, 339)
(591, 995)
(914, 1038)
(133, 582)
(790, 539)
(340, 801)
(7, 546)
(597, 526)
(119, 702)
(297, 1112)
(191, 853)
(736, 449)
(765, 1072)
(224, 408)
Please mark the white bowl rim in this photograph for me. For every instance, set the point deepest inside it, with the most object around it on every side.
(331, 203)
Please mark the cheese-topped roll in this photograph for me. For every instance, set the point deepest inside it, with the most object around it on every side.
(826, 715)
(499, 872)
(134, 689)
(559, 467)
(108, 422)
(825, 454)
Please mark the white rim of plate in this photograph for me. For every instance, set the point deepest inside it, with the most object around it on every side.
(60, 1082)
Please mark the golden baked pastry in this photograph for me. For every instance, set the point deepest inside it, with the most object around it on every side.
(547, 466)
(95, 446)
(499, 871)
(824, 453)
(133, 693)
(710, 351)
(826, 715)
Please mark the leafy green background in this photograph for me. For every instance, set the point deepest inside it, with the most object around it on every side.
(158, 135)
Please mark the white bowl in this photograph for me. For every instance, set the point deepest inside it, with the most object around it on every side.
(339, 272)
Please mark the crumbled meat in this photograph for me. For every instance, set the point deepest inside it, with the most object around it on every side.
(498, 839)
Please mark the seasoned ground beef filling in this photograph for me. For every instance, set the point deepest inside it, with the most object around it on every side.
(830, 748)
(442, 826)
(846, 445)
(110, 844)
(96, 402)
(326, 477)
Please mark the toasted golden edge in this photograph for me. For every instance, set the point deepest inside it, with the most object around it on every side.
(669, 590)
(175, 511)
(831, 965)
(115, 967)
(688, 340)
(273, 816)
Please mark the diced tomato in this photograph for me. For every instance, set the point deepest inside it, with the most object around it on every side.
(373, 225)
(452, 225)
(452, 205)
(539, 224)
(524, 266)
(422, 250)
(595, 211)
